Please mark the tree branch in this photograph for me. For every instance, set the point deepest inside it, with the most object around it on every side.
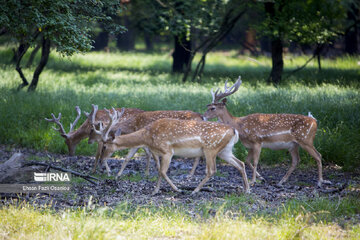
(22, 49)
(227, 25)
(316, 53)
(49, 166)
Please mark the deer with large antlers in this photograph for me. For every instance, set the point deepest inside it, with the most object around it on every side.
(274, 131)
(73, 137)
(135, 123)
(186, 138)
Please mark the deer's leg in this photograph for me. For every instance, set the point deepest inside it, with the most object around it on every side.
(295, 159)
(157, 161)
(210, 170)
(255, 156)
(164, 166)
(317, 156)
(97, 156)
(126, 161)
(105, 164)
(157, 187)
(148, 159)
(196, 163)
(248, 162)
(239, 165)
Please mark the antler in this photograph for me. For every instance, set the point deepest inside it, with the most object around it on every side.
(57, 122)
(217, 96)
(61, 128)
(91, 116)
(114, 117)
(72, 125)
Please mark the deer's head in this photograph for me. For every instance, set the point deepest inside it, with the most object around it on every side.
(217, 107)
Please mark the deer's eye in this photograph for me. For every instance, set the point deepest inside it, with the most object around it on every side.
(212, 109)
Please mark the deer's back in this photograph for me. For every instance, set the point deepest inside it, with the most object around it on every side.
(181, 133)
(263, 126)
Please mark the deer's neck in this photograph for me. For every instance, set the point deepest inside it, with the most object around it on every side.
(227, 118)
(82, 132)
(135, 139)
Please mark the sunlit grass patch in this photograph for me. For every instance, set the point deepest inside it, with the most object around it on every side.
(160, 221)
(143, 80)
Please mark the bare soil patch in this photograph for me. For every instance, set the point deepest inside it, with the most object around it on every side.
(134, 188)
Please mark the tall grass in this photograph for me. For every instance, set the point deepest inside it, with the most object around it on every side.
(144, 81)
(308, 219)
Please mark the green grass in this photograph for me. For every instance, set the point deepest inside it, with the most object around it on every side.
(144, 80)
(307, 219)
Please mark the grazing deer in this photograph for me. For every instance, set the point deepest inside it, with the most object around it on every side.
(135, 123)
(186, 138)
(73, 137)
(274, 131)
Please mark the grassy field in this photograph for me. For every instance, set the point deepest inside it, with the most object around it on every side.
(311, 219)
(144, 81)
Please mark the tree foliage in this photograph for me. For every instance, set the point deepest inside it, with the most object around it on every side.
(312, 21)
(305, 22)
(66, 24)
(203, 22)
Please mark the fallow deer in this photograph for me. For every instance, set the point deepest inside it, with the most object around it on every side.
(73, 137)
(274, 131)
(137, 122)
(186, 138)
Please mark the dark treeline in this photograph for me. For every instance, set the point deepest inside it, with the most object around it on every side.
(322, 28)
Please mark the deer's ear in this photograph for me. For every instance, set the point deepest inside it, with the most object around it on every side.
(118, 132)
(224, 101)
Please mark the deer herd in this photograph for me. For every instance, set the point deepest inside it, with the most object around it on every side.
(164, 134)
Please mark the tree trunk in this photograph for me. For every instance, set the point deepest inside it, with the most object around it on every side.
(18, 57)
(181, 55)
(126, 41)
(101, 41)
(277, 61)
(148, 38)
(351, 36)
(317, 53)
(45, 52)
(276, 47)
(32, 55)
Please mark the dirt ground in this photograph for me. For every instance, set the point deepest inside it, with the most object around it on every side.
(135, 188)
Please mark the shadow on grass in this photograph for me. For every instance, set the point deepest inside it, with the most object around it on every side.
(253, 75)
(310, 76)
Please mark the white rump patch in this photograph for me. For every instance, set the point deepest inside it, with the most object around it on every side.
(226, 153)
(310, 115)
(309, 129)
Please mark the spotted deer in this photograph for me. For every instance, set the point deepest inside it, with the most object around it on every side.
(73, 137)
(186, 138)
(137, 122)
(274, 131)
